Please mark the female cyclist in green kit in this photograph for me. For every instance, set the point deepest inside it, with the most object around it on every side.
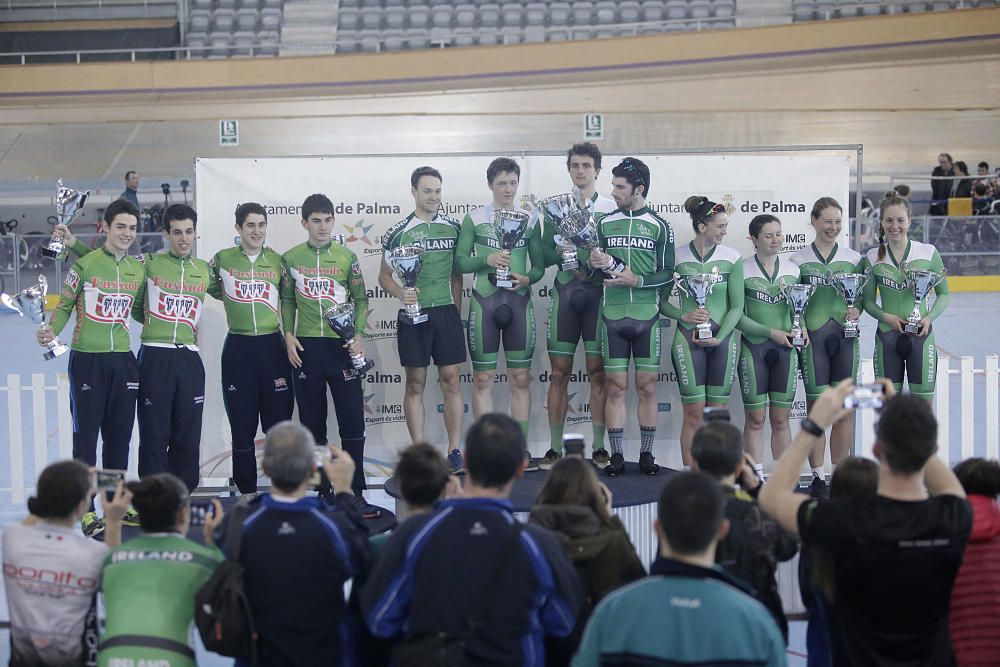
(705, 367)
(898, 353)
(768, 364)
(830, 357)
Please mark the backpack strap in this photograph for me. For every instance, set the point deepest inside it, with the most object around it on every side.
(484, 601)
(234, 531)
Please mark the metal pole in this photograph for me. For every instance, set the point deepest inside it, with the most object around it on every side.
(858, 199)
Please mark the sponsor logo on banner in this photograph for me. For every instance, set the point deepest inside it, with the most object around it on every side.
(465, 408)
(358, 232)
(663, 407)
(377, 414)
(798, 410)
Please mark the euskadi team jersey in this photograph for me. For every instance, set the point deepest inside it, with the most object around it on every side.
(764, 304)
(250, 289)
(645, 243)
(730, 268)
(890, 279)
(174, 300)
(102, 290)
(438, 238)
(601, 206)
(826, 303)
(316, 279)
(478, 240)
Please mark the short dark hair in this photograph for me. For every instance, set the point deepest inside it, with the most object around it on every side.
(759, 221)
(424, 171)
(157, 498)
(984, 164)
(316, 204)
(245, 209)
(635, 172)
(494, 449)
(907, 433)
(61, 487)
(964, 167)
(178, 212)
(585, 149)
(691, 510)
(128, 174)
(289, 455)
(718, 448)
(854, 477)
(979, 476)
(119, 206)
(422, 474)
(502, 165)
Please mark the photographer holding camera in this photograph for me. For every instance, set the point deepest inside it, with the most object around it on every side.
(896, 553)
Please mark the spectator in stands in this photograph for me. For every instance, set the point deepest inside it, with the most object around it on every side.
(131, 191)
(982, 203)
(854, 477)
(755, 543)
(983, 174)
(297, 552)
(941, 188)
(974, 622)
(961, 187)
(431, 576)
(149, 583)
(575, 506)
(688, 611)
(54, 621)
(895, 554)
(903, 190)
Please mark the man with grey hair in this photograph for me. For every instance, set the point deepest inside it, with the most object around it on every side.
(295, 546)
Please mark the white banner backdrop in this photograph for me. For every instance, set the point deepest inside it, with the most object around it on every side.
(371, 193)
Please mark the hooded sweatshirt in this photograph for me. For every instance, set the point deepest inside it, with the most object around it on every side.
(974, 624)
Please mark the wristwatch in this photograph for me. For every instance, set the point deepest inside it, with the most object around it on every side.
(811, 427)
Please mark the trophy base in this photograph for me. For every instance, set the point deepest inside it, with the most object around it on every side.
(911, 328)
(851, 329)
(54, 352)
(703, 333)
(414, 319)
(569, 266)
(357, 371)
(504, 282)
(798, 342)
(53, 254)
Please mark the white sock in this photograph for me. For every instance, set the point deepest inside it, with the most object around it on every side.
(818, 472)
(759, 469)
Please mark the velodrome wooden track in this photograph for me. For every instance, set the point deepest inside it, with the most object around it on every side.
(905, 86)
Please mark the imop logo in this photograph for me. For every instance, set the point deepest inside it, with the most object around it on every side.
(358, 232)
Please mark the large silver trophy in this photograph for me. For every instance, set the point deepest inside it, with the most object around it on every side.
(30, 302)
(405, 261)
(69, 204)
(921, 281)
(340, 318)
(510, 226)
(575, 224)
(699, 286)
(797, 295)
(849, 286)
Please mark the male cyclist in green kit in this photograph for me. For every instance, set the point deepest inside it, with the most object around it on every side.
(575, 310)
(638, 255)
(500, 314)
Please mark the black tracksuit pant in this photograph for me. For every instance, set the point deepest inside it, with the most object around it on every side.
(323, 363)
(171, 403)
(256, 389)
(103, 391)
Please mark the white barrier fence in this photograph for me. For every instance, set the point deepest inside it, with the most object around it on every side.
(39, 426)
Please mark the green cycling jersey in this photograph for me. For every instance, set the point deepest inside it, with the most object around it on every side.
(438, 238)
(894, 292)
(826, 303)
(645, 243)
(478, 240)
(725, 303)
(317, 278)
(249, 288)
(174, 299)
(764, 304)
(102, 290)
(149, 584)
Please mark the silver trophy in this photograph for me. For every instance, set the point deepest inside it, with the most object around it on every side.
(575, 224)
(797, 296)
(31, 302)
(340, 318)
(699, 286)
(405, 261)
(510, 227)
(339, 238)
(921, 281)
(849, 286)
(69, 204)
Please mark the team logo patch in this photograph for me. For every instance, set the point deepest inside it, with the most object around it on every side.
(72, 280)
(280, 384)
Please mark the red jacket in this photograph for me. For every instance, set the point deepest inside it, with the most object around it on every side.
(975, 600)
